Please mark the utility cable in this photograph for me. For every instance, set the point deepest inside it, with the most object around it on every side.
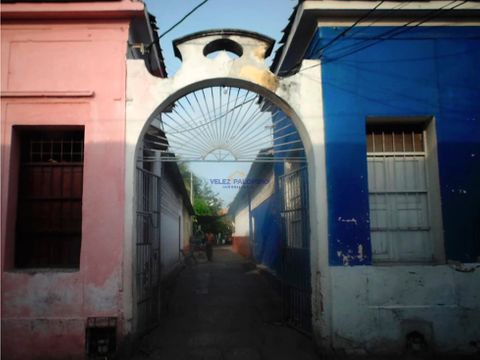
(344, 32)
(395, 32)
(391, 33)
(183, 18)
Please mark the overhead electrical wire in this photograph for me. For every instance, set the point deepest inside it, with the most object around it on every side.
(386, 35)
(344, 32)
(383, 15)
(395, 32)
(182, 19)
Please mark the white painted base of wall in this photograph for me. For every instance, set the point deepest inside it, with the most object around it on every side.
(375, 307)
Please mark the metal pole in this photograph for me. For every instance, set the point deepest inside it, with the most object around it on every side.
(250, 227)
(191, 187)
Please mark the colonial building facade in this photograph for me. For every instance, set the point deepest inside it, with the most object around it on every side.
(380, 209)
(399, 84)
(63, 103)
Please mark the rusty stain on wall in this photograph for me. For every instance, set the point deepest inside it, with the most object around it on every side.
(259, 76)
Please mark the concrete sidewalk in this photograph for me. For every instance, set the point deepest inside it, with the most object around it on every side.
(224, 310)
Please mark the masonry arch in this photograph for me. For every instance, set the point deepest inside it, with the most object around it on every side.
(149, 97)
(257, 89)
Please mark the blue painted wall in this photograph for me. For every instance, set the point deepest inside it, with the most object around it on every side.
(431, 71)
(267, 246)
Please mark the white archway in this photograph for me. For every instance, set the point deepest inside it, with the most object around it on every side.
(299, 96)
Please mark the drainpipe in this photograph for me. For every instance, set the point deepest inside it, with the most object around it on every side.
(250, 227)
(191, 188)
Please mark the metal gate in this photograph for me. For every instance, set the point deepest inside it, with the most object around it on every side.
(148, 249)
(295, 269)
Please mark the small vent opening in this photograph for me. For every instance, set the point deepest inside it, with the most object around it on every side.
(101, 337)
(416, 342)
(233, 49)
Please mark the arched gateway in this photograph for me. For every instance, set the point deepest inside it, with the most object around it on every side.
(226, 109)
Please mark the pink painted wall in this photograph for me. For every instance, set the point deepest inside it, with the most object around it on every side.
(65, 72)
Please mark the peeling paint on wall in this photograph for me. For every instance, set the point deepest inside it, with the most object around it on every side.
(358, 257)
(259, 76)
(352, 220)
(103, 298)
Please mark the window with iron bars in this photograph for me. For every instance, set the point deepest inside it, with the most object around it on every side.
(50, 187)
(398, 187)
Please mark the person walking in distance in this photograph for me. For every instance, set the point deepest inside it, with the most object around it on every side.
(209, 239)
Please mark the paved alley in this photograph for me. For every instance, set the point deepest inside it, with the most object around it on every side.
(223, 310)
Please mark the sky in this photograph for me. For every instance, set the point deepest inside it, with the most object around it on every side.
(267, 17)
